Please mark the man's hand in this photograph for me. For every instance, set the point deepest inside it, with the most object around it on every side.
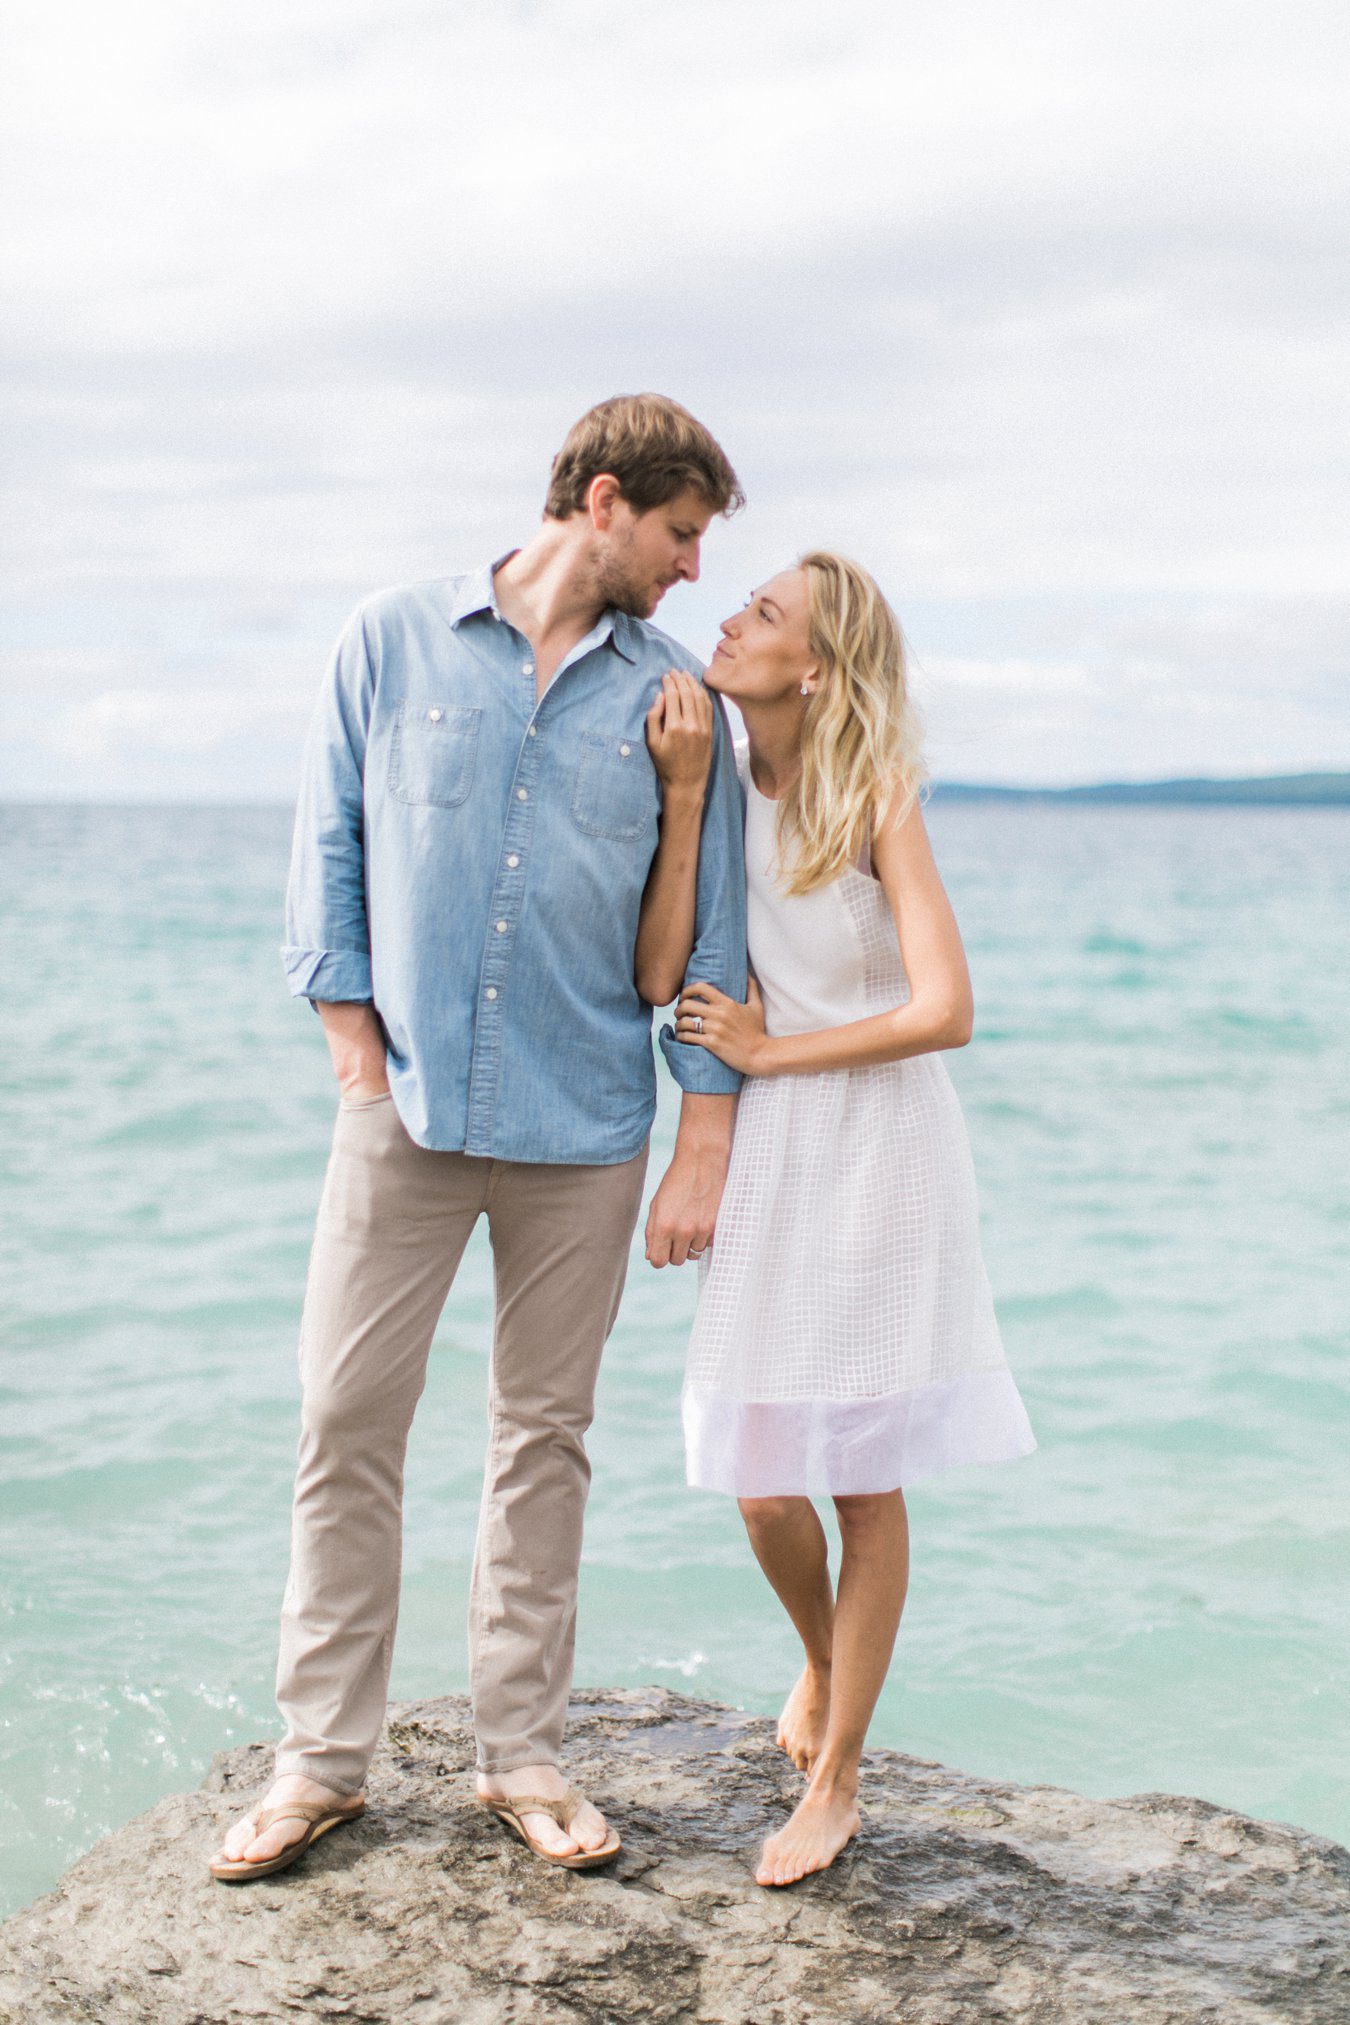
(356, 1044)
(683, 1215)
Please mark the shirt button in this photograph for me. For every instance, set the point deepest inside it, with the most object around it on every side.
(533, 732)
(435, 716)
(522, 794)
(501, 928)
(529, 667)
(491, 991)
(513, 861)
(625, 750)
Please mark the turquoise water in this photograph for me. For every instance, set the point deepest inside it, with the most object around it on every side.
(1159, 1098)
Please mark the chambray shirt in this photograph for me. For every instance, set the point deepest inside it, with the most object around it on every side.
(472, 861)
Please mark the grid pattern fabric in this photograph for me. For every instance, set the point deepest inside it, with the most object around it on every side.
(845, 1327)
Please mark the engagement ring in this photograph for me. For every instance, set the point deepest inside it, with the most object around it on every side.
(698, 1024)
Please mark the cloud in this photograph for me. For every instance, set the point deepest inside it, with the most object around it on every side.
(1127, 689)
(1042, 313)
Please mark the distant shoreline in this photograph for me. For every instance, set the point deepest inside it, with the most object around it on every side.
(1293, 790)
(1279, 790)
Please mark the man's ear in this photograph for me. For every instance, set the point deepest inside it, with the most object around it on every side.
(602, 495)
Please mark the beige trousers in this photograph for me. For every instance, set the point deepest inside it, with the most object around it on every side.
(393, 1223)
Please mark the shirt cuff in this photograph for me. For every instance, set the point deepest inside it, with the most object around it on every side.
(332, 975)
(697, 1069)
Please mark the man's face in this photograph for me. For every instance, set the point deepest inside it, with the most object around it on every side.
(642, 554)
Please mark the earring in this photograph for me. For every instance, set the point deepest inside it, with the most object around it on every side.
(806, 689)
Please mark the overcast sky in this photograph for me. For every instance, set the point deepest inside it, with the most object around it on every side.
(1038, 310)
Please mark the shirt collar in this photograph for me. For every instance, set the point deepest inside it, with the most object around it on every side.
(478, 593)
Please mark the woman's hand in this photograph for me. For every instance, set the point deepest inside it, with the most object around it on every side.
(680, 734)
(707, 1018)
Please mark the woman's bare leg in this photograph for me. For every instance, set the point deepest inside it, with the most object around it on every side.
(790, 1546)
(873, 1577)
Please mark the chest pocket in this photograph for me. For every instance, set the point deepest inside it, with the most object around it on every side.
(432, 754)
(615, 791)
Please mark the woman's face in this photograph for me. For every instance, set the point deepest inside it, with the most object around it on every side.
(764, 654)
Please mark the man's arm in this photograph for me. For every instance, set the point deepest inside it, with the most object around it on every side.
(684, 1209)
(356, 1043)
(683, 1215)
(327, 949)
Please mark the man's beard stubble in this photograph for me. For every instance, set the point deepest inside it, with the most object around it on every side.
(617, 585)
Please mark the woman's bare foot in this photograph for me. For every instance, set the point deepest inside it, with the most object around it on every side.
(242, 1842)
(805, 1718)
(824, 1821)
(589, 1829)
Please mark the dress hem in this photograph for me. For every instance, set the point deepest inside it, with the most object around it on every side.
(851, 1447)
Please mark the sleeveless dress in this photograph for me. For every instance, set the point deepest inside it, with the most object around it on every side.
(845, 1340)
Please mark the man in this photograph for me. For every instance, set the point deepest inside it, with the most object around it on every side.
(477, 818)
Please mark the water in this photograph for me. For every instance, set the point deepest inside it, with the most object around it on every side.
(1159, 1098)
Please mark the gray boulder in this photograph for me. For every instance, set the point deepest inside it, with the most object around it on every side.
(963, 1901)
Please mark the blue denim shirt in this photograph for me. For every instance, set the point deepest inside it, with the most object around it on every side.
(472, 861)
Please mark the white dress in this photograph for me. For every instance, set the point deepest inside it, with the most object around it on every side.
(845, 1340)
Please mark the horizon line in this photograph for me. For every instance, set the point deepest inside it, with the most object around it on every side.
(1203, 786)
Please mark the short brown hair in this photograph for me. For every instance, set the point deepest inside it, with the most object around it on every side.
(655, 449)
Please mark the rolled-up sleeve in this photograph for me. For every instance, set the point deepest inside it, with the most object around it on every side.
(327, 947)
(718, 955)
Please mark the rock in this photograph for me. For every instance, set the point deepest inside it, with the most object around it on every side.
(963, 1901)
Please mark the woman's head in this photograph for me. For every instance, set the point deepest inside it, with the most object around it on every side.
(764, 655)
(820, 640)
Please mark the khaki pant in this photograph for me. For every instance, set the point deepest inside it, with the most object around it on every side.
(392, 1227)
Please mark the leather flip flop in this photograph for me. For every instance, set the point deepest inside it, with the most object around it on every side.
(563, 1812)
(319, 1816)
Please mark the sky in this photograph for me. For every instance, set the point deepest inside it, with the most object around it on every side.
(1041, 312)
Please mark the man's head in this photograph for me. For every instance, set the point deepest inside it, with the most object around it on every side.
(648, 478)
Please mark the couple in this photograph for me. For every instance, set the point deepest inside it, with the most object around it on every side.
(519, 828)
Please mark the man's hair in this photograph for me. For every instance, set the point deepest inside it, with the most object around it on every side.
(655, 449)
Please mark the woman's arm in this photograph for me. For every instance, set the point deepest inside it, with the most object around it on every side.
(940, 1010)
(680, 739)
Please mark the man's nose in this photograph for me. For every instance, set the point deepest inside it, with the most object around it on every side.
(689, 565)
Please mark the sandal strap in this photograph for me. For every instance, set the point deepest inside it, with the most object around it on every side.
(295, 1810)
(562, 1809)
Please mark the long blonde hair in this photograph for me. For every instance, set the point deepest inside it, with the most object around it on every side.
(862, 734)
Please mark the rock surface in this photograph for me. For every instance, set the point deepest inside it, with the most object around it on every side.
(963, 1901)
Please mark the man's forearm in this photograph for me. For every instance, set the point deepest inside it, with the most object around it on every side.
(683, 1215)
(355, 1041)
(704, 1130)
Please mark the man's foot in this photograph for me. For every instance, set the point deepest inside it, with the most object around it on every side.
(589, 1829)
(823, 1823)
(242, 1842)
(805, 1718)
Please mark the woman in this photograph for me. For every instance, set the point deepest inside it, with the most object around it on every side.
(845, 1341)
